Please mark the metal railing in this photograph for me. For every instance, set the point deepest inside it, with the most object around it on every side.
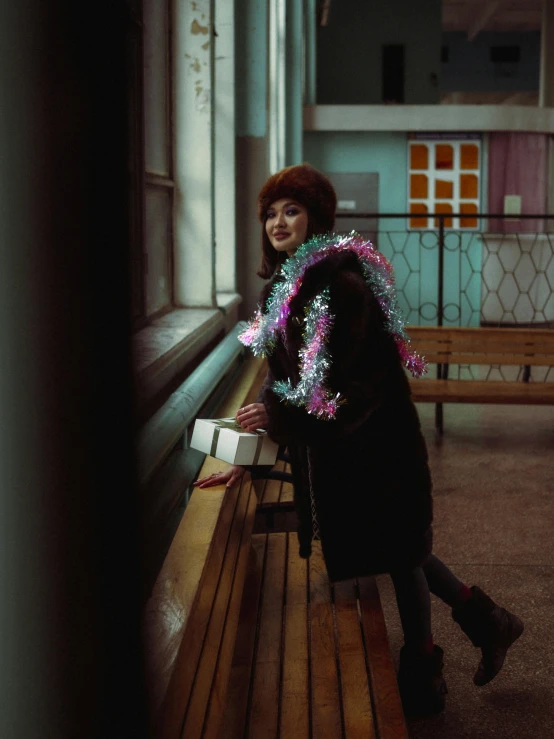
(469, 276)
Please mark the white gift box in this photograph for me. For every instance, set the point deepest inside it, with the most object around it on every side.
(225, 439)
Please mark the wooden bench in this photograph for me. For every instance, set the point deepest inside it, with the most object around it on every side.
(245, 639)
(311, 661)
(492, 347)
(191, 617)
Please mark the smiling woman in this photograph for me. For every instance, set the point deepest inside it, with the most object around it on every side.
(286, 225)
(337, 396)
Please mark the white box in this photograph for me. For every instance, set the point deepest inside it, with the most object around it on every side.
(224, 439)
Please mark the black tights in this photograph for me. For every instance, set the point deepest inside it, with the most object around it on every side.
(412, 589)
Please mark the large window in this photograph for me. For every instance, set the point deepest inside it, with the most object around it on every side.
(182, 151)
(158, 211)
(151, 156)
(444, 176)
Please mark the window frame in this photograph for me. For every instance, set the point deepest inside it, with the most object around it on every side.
(433, 173)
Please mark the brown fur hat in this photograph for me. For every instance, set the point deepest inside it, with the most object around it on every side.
(306, 185)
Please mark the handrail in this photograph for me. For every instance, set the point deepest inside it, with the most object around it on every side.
(445, 216)
(161, 433)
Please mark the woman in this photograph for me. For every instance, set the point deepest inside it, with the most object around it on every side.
(337, 396)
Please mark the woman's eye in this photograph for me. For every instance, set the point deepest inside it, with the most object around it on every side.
(292, 212)
(270, 215)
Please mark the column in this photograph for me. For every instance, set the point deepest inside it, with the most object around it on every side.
(225, 156)
(546, 88)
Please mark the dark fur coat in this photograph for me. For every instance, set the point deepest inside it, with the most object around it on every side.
(367, 469)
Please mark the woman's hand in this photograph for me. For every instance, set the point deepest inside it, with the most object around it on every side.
(253, 417)
(230, 476)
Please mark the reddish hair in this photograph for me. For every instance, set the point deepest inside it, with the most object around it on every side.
(310, 188)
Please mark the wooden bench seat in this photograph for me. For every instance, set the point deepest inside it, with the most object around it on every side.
(191, 617)
(311, 660)
(494, 348)
(484, 391)
(245, 639)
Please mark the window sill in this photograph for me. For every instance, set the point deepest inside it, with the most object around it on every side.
(163, 349)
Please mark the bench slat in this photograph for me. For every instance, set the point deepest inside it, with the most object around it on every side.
(326, 716)
(295, 708)
(358, 713)
(236, 709)
(175, 627)
(457, 356)
(479, 333)
(264, 709)
(479, 354)
(201, 691)
(384, 686)
(508, 345)
(218, 694)
(486, 391)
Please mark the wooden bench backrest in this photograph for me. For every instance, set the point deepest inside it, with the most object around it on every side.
(453, 345)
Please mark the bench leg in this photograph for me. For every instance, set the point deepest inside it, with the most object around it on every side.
(439, 418)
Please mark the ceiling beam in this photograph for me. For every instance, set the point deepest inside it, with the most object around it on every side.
(485, 13)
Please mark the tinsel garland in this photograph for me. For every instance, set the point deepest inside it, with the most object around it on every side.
(315, 361)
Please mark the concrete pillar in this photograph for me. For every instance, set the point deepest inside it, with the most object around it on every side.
(70, 661)
(310, 35)
(277, 82)
(546, 88)
(295, 71)
(252, 74)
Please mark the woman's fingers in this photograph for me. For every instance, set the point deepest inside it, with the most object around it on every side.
(216, 478)
(233, 479)
(252, 417)
(229, 476)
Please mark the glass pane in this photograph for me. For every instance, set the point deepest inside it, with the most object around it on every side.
(444, 189)
(444, 156)
(419, 156)
(158, 248)
(156, 77)
(469, 156)
(443, 208)
(418, 222)
(468, 222)
(419, 186)
(468, 186)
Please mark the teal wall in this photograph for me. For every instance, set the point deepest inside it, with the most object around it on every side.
(359, 151)
(251, 52)
(415, 259)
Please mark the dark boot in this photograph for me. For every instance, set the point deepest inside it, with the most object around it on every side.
(490, 627)
(421, 684)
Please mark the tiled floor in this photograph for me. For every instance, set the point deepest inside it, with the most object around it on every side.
(493, 477)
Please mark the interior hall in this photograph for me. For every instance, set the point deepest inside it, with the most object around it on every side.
(136, 138)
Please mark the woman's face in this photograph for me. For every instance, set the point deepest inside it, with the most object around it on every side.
(286, 225)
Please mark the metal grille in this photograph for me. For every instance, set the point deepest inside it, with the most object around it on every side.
(473, 278)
